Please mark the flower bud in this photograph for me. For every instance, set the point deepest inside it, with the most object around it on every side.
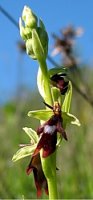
(29, 17)
(22, 29)
(37, 43)
(36, 38)
(25, 32)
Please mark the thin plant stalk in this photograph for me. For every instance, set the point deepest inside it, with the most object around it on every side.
(49, 164)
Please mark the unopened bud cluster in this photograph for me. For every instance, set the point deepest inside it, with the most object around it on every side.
(35, 37)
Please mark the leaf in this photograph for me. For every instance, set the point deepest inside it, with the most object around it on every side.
(24, 152)
(32, 134)
(43, 83)
(67, 101)
(41, 114)
(69, 118)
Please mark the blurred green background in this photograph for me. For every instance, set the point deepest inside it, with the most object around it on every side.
(74, 157)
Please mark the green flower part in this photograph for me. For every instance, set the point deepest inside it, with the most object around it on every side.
(44, 115)
(29, 17)
(35, 36)
(27, 149)
(32, 134)
(29, 49)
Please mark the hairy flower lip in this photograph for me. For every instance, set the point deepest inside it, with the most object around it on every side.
(49, 129)
(39, 177)
(48, 132)
(47, 142)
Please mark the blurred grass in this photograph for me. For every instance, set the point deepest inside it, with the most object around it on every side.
(74, 160)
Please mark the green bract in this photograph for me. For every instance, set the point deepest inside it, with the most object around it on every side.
(41, 84)
(37, 46)
(44, 39)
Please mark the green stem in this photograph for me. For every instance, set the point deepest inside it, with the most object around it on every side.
(52, 188)
(52, 182)
(49, 168)
(49, 163)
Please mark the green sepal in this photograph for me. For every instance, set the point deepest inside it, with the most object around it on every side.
(67, 100)
(24, 152)
(41, 114)
(69, 119)
(56, 70)
(46, 114)
(32, 134)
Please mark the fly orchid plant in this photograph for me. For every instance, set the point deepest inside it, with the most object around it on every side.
(56, 92)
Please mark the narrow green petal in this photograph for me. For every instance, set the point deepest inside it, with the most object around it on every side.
(24, 152)
(56, 94)
(67, 101)
(41, 114)
(32, 134)
(59, 140)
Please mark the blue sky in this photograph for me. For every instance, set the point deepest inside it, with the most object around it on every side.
(55, 14)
